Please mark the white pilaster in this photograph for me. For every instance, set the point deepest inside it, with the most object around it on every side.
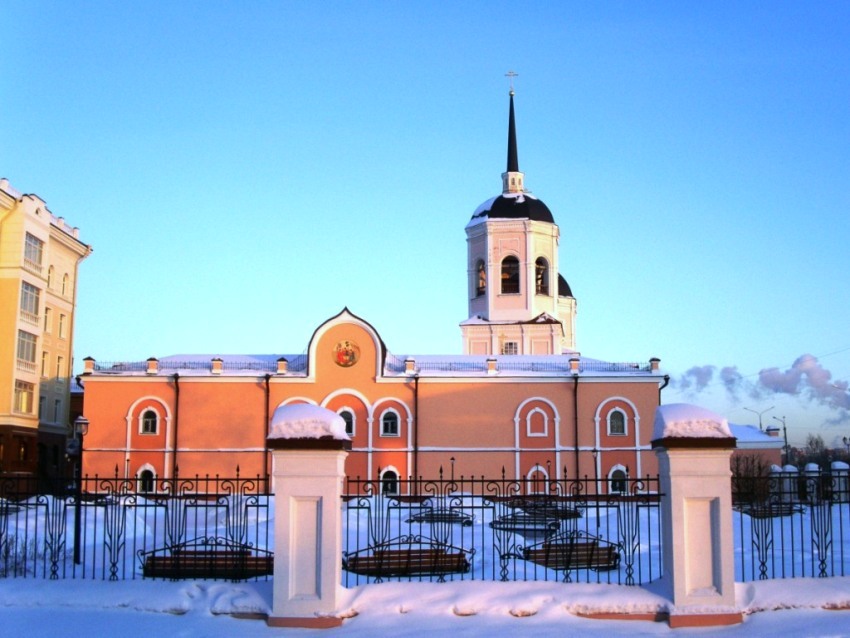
(696, 511)
(308, 542)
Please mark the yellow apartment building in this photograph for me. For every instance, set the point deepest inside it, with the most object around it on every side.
(40, 256)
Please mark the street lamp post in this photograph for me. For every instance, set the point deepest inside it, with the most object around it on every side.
(846, 441)
(81, 427)
(759, 414)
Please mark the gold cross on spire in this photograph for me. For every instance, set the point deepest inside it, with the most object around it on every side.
(511, 75)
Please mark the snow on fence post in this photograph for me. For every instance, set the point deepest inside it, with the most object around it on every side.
(694, 447)
(309, 446)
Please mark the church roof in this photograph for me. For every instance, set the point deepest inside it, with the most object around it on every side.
(513, 206)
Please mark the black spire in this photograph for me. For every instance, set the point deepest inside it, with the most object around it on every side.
(513, 162)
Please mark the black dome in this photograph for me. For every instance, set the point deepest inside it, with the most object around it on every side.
(519, 206)
(564, 289)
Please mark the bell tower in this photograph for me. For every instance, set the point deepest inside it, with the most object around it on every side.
(518, 301)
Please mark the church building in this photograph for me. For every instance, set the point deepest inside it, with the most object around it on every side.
(520, 399)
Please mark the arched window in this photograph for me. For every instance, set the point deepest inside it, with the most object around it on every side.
(65, 289)
(348, 416)
(510, 276)
(538, 480)
(481, 278)
(541, 276)
(616, 423)
(50, 273)
(389, 423)
(150, 422)
(146, 481)
(389, 482)
(617, 481)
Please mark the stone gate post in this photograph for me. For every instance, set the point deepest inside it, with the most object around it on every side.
(694, 448)
(309, 447)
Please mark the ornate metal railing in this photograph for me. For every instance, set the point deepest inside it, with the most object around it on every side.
(120, 524)
(565, 529)
(792, 524)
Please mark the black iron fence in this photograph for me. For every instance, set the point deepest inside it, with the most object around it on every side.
(569, 530)
(786, 524)
(792, 524)
(117, 529)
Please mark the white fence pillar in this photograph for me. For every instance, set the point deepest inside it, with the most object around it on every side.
(308, 476)
(696, 511)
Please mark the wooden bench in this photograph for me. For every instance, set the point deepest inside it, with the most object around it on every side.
(407, 561)
(587, 554)
(442, 516)
(230, 564)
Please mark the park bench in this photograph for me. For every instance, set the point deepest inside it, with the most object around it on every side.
(530, 525)
(442, 515)
(574, 552)
(207, 561)
(407, 559)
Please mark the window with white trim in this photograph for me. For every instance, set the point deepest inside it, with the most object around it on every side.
(65, 287)
(617, 423)
(146, 481)
(30, 296)
(538, 480)
(348, 416)
(48, 320)
(149, 422)
(63, 325)
(26, 350)
(510, 347)
(33, 252)
(389, 482)
(24, 397)
(389, 423)
(617, 481)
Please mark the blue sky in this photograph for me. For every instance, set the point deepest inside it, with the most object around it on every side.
(245, 170)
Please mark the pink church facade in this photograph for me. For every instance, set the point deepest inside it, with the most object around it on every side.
(522, 400)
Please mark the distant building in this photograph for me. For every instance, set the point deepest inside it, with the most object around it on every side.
(39, 260)
(753, 442)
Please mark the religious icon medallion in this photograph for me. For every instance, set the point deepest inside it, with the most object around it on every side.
(346, 353)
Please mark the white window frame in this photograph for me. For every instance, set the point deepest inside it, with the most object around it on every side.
(144, 411)
(24, 397)
(382, 477)
(531, 481)
(397, 433)
(510, 345)
(611, 479)
(33, 251)
(353, 414)
(625, 431)
(147, 467)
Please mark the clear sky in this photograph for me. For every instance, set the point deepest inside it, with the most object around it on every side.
(244, 170)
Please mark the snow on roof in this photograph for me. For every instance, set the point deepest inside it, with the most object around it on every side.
(440, 365)
(306, 421)
(683, 420)
(749, 436)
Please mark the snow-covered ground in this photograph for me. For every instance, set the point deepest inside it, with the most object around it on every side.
(36, 607)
